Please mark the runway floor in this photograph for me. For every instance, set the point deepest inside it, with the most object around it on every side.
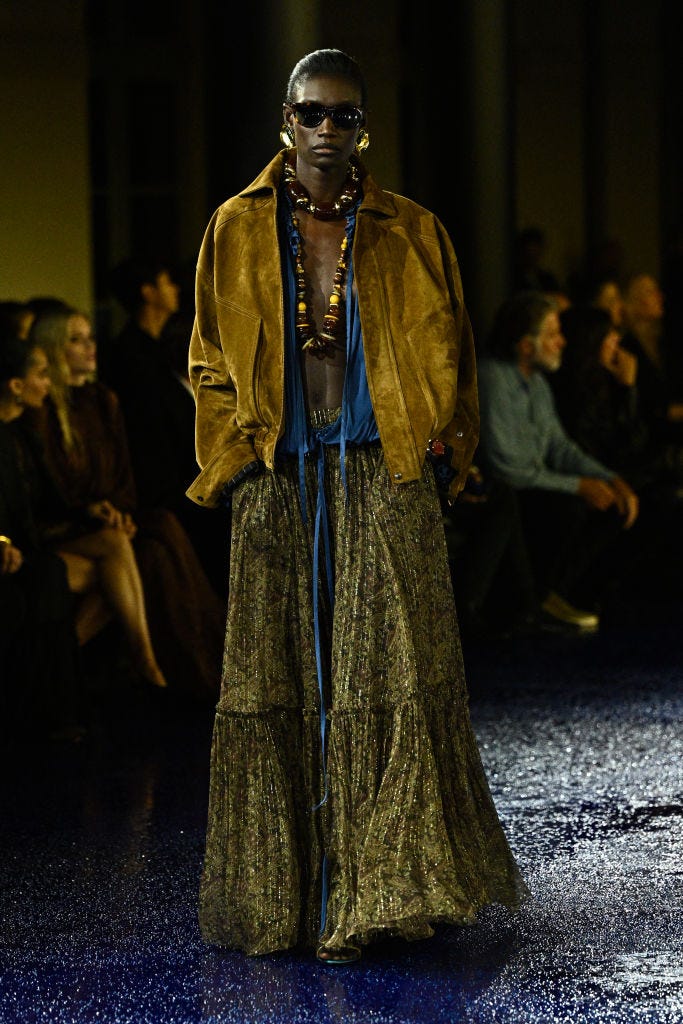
(582, 741)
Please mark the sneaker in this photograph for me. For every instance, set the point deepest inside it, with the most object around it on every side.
(557, 608)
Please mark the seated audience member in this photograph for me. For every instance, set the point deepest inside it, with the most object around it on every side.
(87, 453)
(41, 676)
(133, 364)
(596, 395)
(574, 509)
(604, 293)
(97, 552)
(659, 390)
(136, 366)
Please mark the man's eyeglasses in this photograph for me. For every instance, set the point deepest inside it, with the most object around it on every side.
(311, 114)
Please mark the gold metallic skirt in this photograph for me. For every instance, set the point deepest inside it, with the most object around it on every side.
(407, 835)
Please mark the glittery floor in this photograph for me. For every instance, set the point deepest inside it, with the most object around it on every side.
(582, 741)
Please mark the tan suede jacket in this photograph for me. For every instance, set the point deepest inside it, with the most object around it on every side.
(417, 339)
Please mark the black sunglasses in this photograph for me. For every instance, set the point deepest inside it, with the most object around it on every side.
(311, 114)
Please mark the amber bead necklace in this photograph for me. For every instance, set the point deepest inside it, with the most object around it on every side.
(321, 343)
(324, 342)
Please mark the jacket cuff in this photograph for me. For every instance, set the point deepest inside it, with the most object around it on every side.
(251, 469)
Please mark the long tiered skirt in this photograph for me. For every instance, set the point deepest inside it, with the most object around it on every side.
(393, 828)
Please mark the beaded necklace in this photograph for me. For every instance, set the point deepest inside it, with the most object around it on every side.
(301, 197)
(324, 342)
(321, 344)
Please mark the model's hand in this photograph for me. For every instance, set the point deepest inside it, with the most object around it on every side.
(597, 493)
(11, 558)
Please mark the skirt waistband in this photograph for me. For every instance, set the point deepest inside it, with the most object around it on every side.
(323, 417)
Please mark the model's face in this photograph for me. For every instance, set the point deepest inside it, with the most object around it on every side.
(549, 343)
(80, 348)
(35, 385)
(325, 145)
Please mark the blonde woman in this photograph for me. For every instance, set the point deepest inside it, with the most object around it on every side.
(87, 451)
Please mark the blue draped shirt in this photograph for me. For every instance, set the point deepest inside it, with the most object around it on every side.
(356, 424)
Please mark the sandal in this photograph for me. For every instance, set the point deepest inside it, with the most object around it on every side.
(338, 956)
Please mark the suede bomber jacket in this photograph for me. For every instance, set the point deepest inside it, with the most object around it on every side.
(417, 339)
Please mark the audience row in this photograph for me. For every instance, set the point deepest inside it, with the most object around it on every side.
(71, 501)
(575, 495)
(580, 455)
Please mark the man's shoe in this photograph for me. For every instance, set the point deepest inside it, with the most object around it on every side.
(557, 608)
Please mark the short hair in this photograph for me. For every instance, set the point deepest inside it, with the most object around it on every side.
(331, 62)
(16, 355)
(521, 314)
(129, 276)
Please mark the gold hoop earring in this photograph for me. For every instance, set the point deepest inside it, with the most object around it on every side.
(287, 136)
(362, 140)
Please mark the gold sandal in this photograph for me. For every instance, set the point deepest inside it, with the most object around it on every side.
(338, 956)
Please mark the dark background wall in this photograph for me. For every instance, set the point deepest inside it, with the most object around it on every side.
(128, 122)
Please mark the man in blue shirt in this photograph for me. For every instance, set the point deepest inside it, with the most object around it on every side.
(574, 508)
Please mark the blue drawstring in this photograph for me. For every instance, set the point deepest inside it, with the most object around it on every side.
(355, 426)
